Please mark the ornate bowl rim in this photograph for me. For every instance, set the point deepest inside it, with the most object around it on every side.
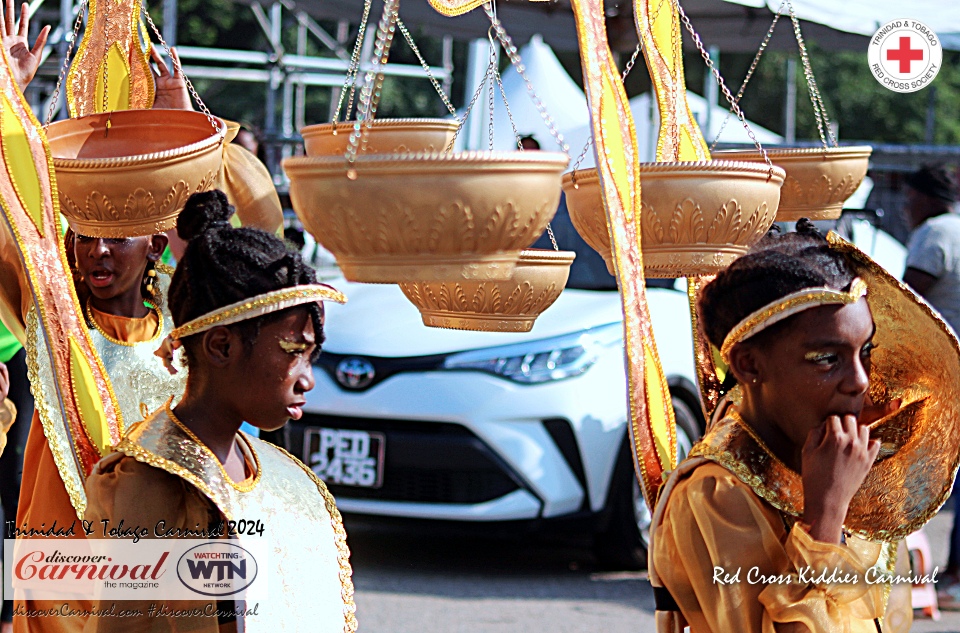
(453, 161)
(321, 128)
(136, 160)
(747, 168)
(543, 256)
(846, 151)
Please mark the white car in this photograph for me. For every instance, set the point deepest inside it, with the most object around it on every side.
(417, 422)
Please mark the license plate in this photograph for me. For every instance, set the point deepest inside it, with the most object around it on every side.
(345, 457)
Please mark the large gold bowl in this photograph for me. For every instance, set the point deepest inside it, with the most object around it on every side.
(133, 177)
(386, 136)
(427, 217)
(696, 217)
(495, 306)
(819, 180)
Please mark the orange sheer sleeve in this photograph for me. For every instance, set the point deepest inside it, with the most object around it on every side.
(729, 562)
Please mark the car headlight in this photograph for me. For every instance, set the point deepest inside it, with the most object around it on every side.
(544, 360)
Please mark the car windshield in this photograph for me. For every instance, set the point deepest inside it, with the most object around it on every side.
(588, 272)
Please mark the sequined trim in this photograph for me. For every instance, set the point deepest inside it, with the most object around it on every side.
(733, 444)
(259, 306)
(343, 551)
(787, 306)
(42, 382)
(239, 487)
(115, 341)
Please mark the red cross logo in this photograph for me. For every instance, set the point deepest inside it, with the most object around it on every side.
(905, 54)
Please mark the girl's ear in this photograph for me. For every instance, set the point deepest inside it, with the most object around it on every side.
(221, 346)
(746, 364)
(158, 244)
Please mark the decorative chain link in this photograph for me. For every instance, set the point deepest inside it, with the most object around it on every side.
(106, 62)
(623, 77)
(818, 108)
(354, 68)
(514, 57)
(426, 67)
(723, 86)
(372, 85)
(753, 67)
(66, 63)
(469, 108)
(179, 69)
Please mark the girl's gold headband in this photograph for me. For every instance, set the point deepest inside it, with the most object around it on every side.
(258, 306)
(787, 306)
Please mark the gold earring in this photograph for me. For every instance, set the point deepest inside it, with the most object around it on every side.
(151, 275)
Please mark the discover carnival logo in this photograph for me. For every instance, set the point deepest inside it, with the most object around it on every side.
(905, 55)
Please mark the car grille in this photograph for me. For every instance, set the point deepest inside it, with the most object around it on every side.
(427, 462)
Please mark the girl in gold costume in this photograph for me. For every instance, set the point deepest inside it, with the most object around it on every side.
(249, 318)
(826, 453)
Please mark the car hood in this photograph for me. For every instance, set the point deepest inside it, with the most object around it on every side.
(378, 320)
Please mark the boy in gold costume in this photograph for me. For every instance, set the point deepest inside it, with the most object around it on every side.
(249, 317)
(826, 453)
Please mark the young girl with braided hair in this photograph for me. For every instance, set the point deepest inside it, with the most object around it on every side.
(249, 317)
(826, 450)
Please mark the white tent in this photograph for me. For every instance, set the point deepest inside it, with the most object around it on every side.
(567, 105)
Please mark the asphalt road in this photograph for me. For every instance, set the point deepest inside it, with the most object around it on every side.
(414, 582)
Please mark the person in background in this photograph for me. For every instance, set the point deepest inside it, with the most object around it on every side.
(528, 143)
(933, 272)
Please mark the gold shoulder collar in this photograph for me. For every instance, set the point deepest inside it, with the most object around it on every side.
(731, 443)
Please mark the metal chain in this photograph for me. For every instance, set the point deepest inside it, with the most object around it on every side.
(723, 85)
(373, 85)
(753, 67)
(491, 96)
(818, 108)
(426, 67)
(66, 63)
(513, 124)
(354, 68)
(179, 69)
(466, 112)
(623, 77)
(514, 57)
(106, 62)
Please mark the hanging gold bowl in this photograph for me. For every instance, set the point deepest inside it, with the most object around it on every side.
(386, 136)
(133, 177)
(495, 306)
(427, 217)
(819, 180)
(697, 217)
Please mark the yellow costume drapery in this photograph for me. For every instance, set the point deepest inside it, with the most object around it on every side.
(733, 562)
(43, 496)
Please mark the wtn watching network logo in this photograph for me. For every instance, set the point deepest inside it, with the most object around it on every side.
(217, 569)
(121, 569)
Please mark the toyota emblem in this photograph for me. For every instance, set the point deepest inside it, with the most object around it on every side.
(355, 373)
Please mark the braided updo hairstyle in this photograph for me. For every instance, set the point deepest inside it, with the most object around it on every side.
(223, 265)
(776, 266)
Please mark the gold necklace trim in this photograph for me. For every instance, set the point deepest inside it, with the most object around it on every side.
(239, 487)
(116, 341)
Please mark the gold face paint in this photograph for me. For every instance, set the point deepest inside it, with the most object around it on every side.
(292, 347)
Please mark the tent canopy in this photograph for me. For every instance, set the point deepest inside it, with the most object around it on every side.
(731, 25)
(567, 105)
